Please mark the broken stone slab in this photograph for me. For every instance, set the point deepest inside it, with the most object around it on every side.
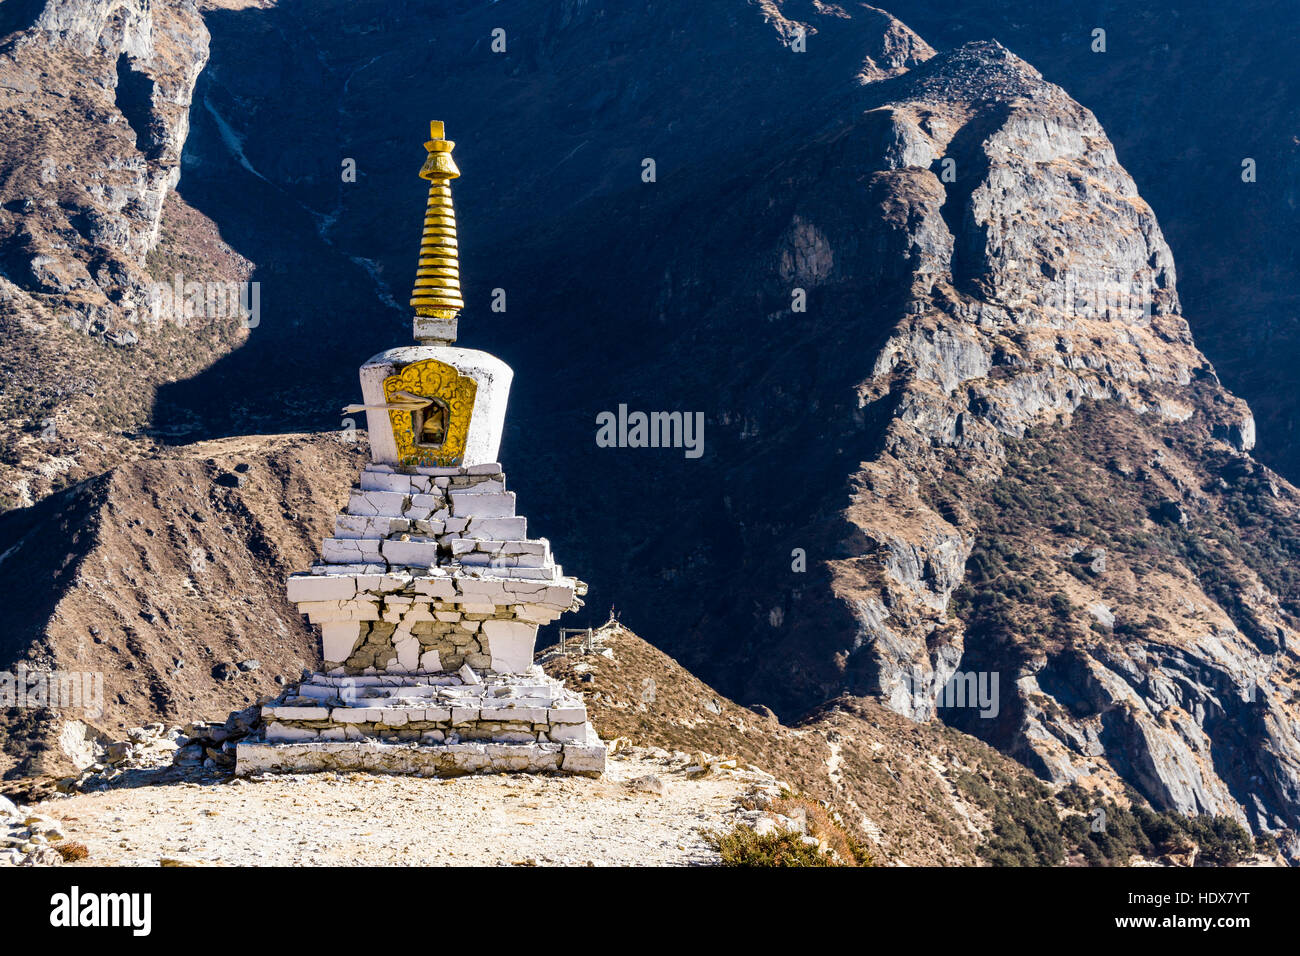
(372, 480)
(388, 503)
(496, 528)
(369, 526)
(351, 551)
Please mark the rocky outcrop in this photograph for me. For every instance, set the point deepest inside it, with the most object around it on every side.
(164, 582)
(94, 114)
(92, 149)
(1040, 283)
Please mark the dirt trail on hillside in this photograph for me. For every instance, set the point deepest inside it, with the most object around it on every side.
(330, 819)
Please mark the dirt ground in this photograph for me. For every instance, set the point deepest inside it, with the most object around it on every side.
(363, 819)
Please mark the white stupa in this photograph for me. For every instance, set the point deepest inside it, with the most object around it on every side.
(430, 592)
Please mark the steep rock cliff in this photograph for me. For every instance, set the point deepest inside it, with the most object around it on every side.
(94, 111)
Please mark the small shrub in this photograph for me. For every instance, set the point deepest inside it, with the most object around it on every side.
(742, 846)
(71, 852)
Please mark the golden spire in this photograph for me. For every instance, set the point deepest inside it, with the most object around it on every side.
(437, 280)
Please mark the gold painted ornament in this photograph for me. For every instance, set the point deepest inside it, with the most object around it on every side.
(436, 432)
(437, 278)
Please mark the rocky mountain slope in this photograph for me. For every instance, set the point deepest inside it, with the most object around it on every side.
(166, 577)
(1184, 131)
(95, 102)
(955, 419)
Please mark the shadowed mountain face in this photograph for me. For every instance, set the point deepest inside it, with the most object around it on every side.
(955, 422)
(1188, 92)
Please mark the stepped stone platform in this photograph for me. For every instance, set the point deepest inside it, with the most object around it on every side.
(433, 724)
(429, 597)
(430, 570)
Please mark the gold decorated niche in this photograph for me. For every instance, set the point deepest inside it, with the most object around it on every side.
(436, 432)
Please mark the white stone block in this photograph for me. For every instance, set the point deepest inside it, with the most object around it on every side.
(566, 715)
(338, 639)
(589, 759)
(536, 614)
(351, 550)
(538, 546)
(369, 526)
(496, 529)
(323, 612)
(480, 590)
(569, 733)
(297, 713)
(558, 596)
(320, 587)
(524, 588)
(466, 674)
(414, 553)
(279, 732)
(510, 643)
(440, 588)
(408, 652)
(474, 504)
(484, 468)
(528, 715)
(418, 613)
(429, 662)
(483, 486)
(447, 617)
(531, 574)
(355, 715)
(385, 481)
(377, 503)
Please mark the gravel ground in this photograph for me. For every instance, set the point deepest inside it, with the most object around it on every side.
(362, 819)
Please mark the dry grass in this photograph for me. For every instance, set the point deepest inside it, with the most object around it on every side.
(72, 852)
(834, 846)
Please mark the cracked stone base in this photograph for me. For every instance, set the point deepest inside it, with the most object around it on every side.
(431, 725)
(420, 759)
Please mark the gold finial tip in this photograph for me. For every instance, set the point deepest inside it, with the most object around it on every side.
(435, 130)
